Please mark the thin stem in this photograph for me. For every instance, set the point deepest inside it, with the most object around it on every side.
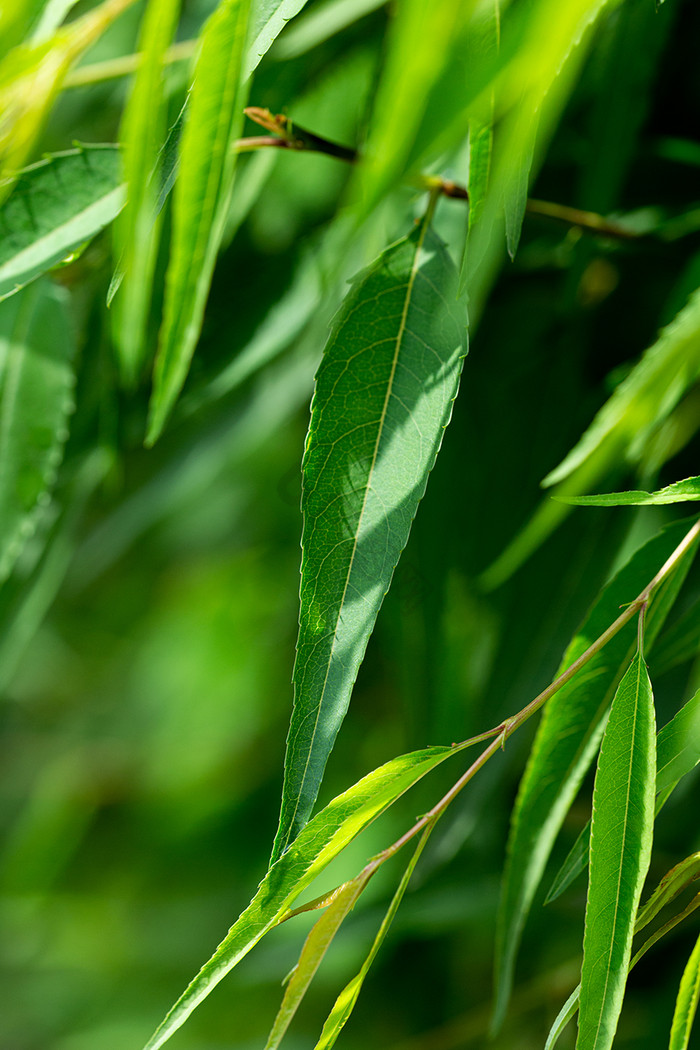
(124, 66)
(586, 220)
(509, 725)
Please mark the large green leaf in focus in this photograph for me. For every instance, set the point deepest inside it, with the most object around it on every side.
(568, 737)
(383, 398)
(321, 840)
(621, 837)
(202, 197)
(56, 206)
(36, 399)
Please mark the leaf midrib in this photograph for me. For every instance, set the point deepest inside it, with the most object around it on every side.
(380, 431)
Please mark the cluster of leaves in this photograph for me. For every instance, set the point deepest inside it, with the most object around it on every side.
(461, 101)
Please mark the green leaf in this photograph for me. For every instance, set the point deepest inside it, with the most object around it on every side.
(686, 1002)
(621, 837)
(41, 223)
(315, 947)
(568, 1010)
(137, 231)
(30, 78)
(36, 399)
(680, 643)
(567, 740)
(420, 36)
(680, 492)
(384, 394)
(268, 19)
(319, 842)
(202, 197)
(321, 23)
(345, 1003)
(673, 883)
(16, 20)
(677, 753)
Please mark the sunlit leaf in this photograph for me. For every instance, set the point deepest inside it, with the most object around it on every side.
(315, 947)
(321, 23)
(202, 197)
(567, 740)
(137, 231)
(384, 394)
(36, 399)
(345, 1003)
(268, 19)
(30, 78)
(319, 842)
(41, 224)
(680, 492)
(686, 1002)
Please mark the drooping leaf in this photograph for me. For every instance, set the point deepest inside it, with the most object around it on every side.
(137, 231)
(567, 740)
(621, 836)
(419, 38)
(321, 23)
(41, 223)
(672, 884)
(345, 1003)
(202, 196)
(36, 399)
(319, 842)
(30, 78)
(268, 19)
(315, 947)
(677, 753)
(567, 1012)
(680, 492)
(383, 398)
(686, 1002)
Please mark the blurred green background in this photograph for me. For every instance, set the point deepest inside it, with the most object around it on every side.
(146, 670)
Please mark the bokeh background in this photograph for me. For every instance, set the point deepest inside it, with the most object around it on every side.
(146, 671)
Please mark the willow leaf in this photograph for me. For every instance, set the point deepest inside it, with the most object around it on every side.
(345, 1003)
(321, 840)
(268, 19)
(36, 398)
(621, 836)
(315, 947)
(567, 740)
(686, 1002)
(202, 197)
(680, 492)
(30, 78)
(138, 228)
(56, 206)
(677, 753)
(383, 397)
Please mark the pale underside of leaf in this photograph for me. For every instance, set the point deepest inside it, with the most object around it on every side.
(41, 223)
(383, 398)
(680, 492)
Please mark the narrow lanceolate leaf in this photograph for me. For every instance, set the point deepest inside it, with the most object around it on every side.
(567, 740)
(137, 230)
(30, 78)
(322, 839)
(345, 1003)
(686, 1002)
(680, 492)
(268, 19)
(41, 224)
(677, 753)
(315, 947)
(621, 836)
(383, 398)
(201, 197)
(36, 398)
